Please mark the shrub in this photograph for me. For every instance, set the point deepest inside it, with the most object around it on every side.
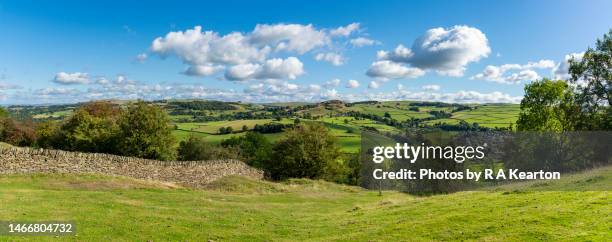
(196, 148)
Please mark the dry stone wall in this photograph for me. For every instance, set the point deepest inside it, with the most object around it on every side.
(15, 160)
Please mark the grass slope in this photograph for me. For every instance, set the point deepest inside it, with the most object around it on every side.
(235, 208)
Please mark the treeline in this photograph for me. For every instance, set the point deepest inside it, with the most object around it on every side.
(141, 130)
(202, 105)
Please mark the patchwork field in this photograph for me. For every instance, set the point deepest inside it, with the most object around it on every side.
(235, 208)
(204, 119)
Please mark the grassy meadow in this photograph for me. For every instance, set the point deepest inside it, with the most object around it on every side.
(236, 208)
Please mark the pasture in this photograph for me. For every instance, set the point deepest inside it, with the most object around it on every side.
(236, 208)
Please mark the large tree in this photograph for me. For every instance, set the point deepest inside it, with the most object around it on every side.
(92, 128)
(593, 76)
(145, 131)
(306, 151)
(548, 106)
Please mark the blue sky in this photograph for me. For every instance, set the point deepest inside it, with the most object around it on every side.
(456, 51)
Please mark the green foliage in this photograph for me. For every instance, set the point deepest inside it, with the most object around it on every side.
(3, 113)
(144, 131)
(195, 148)
(85, 131)
(226, 130)
(253, 148)
(91, 128)
(306, 151)
(547, 106)
(47, 132)
(594, 74)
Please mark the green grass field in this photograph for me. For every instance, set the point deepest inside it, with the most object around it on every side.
(235, 208)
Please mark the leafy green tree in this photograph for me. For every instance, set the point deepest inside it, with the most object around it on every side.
(593, 74)
(48, 134)
(86, 132)
(92, 128)
(145, 131)
(253, 148)
(306, 151)
(547, 106)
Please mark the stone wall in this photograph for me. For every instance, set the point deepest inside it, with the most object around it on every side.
(189, 173)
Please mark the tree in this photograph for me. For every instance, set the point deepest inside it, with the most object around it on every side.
(548, 106)
(306, 151)
(91, 128)
(17, 133)
(593, 76)
(86, 132)
(145, 132)
(245, 128)
(253, 148)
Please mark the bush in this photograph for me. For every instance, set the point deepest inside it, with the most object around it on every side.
(195, 149)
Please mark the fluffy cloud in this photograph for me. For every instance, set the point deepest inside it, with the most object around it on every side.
(289, 37)
(561, 70)
(345, 30)
(446, 51)
(333, 58)
(391, 70)
(71, 78)
(332, 83)
(202, 70)
(362, 41)
(352, 84)
(431, 87)
(277, 68)
(452, 97)
(513, 73)
(373, 85)
(208, 52)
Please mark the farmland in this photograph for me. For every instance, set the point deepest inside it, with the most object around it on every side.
(206, 119)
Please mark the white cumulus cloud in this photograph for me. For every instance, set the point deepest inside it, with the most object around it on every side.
(277, 68)
(65, 78)
(345, 30)
(391, 70)
(513, 73)
(362, 41)
(333, 58)
(561, 70)
(373, 85)
(352, 84)
(446, 51)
